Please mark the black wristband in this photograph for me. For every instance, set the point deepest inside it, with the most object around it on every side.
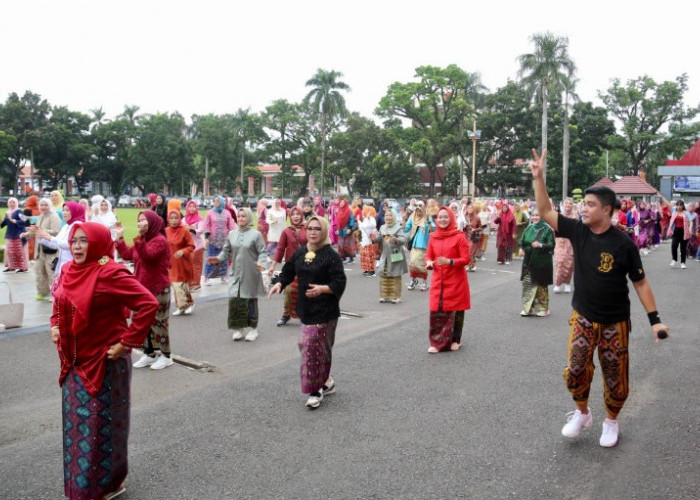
(654, 318)
(452, 262)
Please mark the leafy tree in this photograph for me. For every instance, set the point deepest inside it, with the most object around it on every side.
(20, 117)
(278, 119)
(327, 103)
(645, 109)
(249, 129)
(215, 139)
(352, 151)
(438, 106)
(161, 155)
(547, 68)
(589, 128)
(64, 149)
(509, 128)
(113, 141)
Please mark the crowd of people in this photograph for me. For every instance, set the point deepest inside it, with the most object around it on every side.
(80, 259)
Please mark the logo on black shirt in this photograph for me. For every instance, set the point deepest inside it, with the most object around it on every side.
(606, 262)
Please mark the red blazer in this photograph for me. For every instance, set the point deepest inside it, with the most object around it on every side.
(452, 280)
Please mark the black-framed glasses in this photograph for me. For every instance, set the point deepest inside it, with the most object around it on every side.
(313, 228)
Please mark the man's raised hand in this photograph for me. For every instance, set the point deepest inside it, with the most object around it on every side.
(537, 165)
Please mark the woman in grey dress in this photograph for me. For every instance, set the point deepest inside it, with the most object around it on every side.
(246, 247)
(392, 263)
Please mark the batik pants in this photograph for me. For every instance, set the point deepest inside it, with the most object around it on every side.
(613, 355)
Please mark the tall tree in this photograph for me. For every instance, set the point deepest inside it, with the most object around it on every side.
(278, 120)
(21, 117)
(439, 106)
(162, 156)
(327, 103)
(644, 109)
(64, 148)
(547, 68)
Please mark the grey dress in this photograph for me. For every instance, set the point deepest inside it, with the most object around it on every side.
(396, 268)
(246, 249)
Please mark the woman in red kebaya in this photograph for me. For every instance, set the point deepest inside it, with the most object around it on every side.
(151, 256)
(92, 302)
(292, 238)
(447, 255)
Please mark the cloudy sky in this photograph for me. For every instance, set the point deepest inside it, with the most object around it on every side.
(213, 56)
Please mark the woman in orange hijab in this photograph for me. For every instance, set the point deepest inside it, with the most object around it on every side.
(93, 299)
(31, 208)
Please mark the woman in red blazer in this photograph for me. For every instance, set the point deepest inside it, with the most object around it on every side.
(447, 255)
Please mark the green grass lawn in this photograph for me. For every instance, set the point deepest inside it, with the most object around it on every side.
(126, 216)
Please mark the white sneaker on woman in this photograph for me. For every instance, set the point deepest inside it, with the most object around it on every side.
(252, 335)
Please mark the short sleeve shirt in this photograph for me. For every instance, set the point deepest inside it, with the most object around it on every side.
(602, 264)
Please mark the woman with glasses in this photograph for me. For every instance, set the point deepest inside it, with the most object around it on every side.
(322, 280)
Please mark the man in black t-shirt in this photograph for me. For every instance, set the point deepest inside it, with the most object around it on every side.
(603, 260)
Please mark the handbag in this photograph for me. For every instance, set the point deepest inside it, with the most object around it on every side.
(12, 314)
(48, 250)
(54, 263)
(442, 324)
(397, 256)
(409, 242)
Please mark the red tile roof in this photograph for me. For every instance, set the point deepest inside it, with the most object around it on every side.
(631, 184)
(605, 181)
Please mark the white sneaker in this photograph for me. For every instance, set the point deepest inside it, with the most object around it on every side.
(543, 314)
(237, 335)
(645, 251)
(329, 386)
(611, 430)
(177, 312)
(567, 288)
(556, 289)
(189, 310)
(523, 313)
(575, 422)
(314, 400)
(162, 362)
(251, 335)
(145, 361)
(673, 263)
(682, 266)
(413, 283)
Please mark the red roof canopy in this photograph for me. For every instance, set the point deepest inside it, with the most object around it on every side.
(631, 184)
(690, 159)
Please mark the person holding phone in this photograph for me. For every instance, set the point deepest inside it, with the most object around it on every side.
(44, 255)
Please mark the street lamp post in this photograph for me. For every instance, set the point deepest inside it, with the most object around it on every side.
(474, 135)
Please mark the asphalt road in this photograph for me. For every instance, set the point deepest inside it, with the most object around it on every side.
(480, 423)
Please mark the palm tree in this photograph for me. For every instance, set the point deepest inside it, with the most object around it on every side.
(546, 69)
(130, 112)
(327, 102)
(98, 115)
